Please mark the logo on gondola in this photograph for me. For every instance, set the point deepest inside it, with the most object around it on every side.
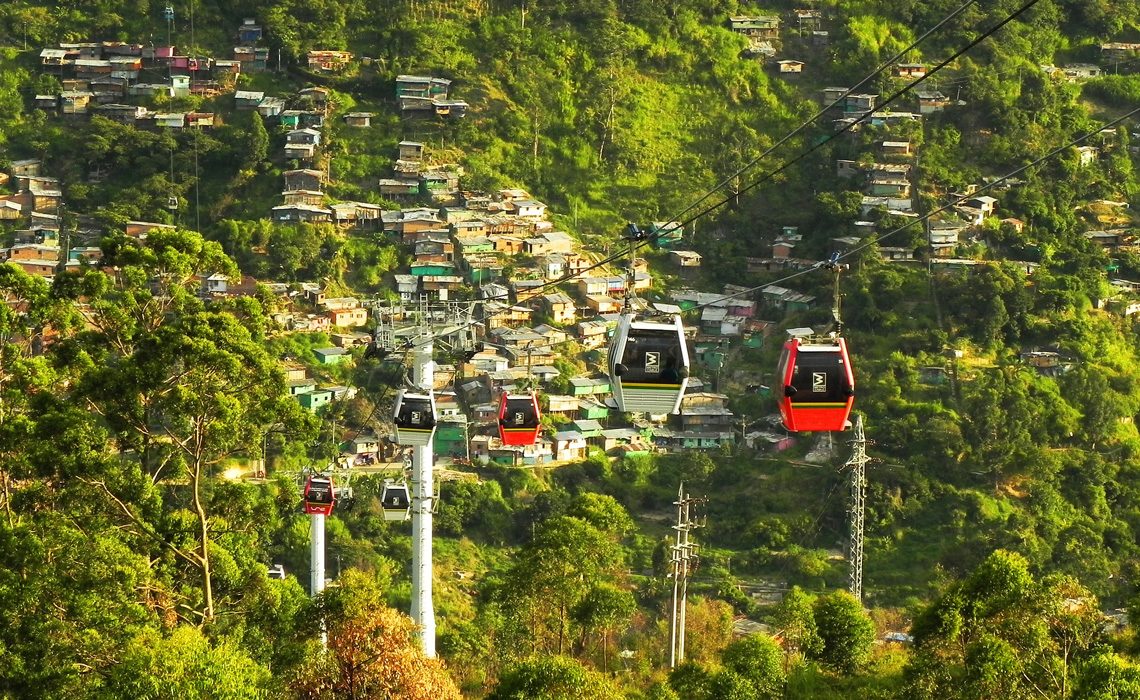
(417, 417)
(519, 418)
(652, 363)
(819, 382)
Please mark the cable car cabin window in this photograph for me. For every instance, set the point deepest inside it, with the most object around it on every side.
(819, 377)
(319, 494)
(652, 357)
(520, 413)
(785, 358)
(416, 415)
(395, 499)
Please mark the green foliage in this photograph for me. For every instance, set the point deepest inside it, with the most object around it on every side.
(184, 665)
(552, 678)
(119, 539)
(757, 661)
(845, 631)
(469, 509)
(1121, 91)
(1002, 633)
(258, 148)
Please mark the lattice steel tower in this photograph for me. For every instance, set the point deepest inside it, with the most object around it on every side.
(858, 466)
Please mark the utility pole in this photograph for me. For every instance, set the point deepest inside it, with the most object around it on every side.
(317, 559)
(684, 562)
(858, 465)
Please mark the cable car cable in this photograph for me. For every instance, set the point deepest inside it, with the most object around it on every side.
(984, 188)
(810, 120)
(898, 94)
(784, 139)
(830, 137)
(768, 176)
(848, 127)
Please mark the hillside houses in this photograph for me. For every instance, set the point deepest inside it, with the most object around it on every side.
(419, 94)
(761, 31)
(99, 73)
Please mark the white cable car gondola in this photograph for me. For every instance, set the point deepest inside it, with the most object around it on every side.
(649, 365)
(395, 501)
(414, 417)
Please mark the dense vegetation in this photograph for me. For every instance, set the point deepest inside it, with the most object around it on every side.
(1003, 512)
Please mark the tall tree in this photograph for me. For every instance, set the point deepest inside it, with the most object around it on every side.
(258, 147)
(202, 388)
(846, 632)
(373, 652)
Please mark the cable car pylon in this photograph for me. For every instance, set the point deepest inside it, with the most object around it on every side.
(416, 330)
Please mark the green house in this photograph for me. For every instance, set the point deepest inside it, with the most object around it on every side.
(432, 269)
(290, 118)
(589, 386)
(666, 234)
(703, 442)
(482, 273)
(332, 356)
(314, 400)
(451, 438)
(792, 306)
(589, 409)
(474, 246)
(709, 355)
(588, 428)
(301, 386)
(503, 459)
(433, 182)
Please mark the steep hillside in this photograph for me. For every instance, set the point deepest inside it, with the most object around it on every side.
(995, 346)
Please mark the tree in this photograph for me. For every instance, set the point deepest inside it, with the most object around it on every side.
(373, 652)
(845, 631)
(202, 389)
(184, 665)
(604, 608)
(1000, 633)
(553, 678)
(603, 512)
(757, 660)
(691, 681)
(258, 148)
(553, 573)
(796, 620)
(1107, 676)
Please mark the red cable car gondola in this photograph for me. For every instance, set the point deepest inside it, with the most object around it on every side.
(320, 495)
(818, 386)
(519, 419)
